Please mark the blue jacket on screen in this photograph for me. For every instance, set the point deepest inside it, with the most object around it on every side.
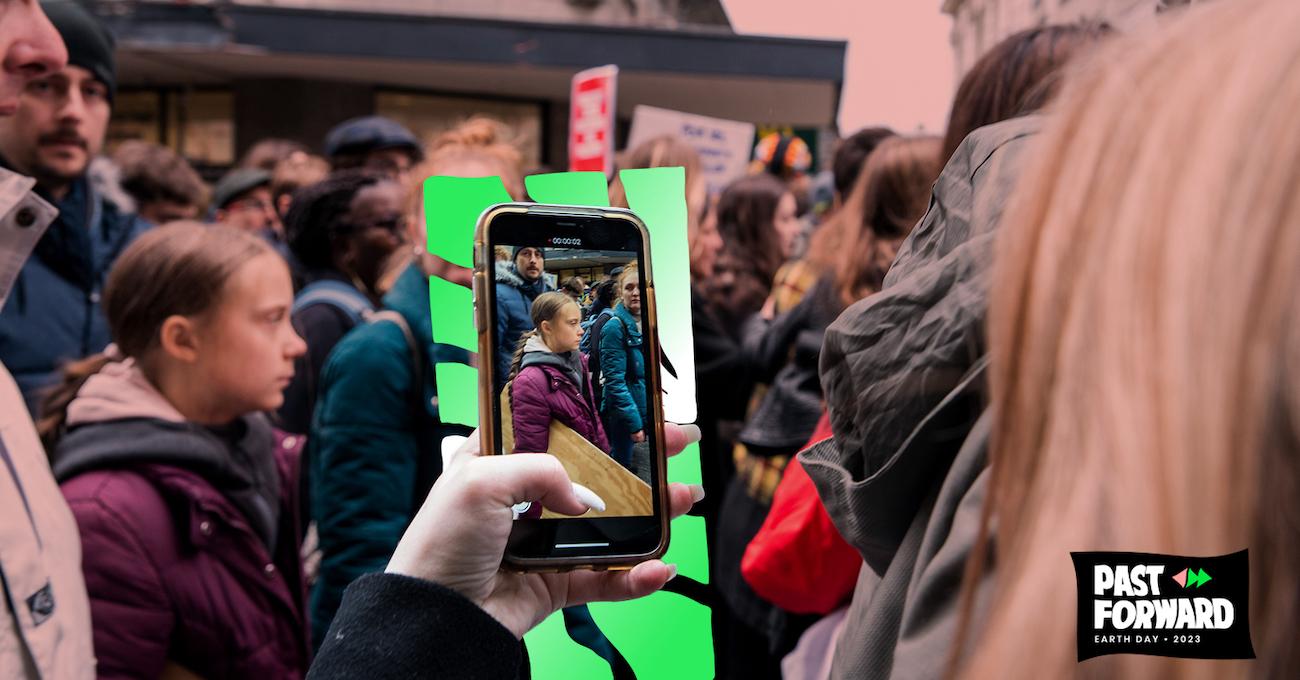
(624, 391)
(514, 314)
(53, 315)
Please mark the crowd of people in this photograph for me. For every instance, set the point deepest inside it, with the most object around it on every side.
(1068, 323)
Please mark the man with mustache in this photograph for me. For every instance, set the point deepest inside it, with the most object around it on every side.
(53, 314)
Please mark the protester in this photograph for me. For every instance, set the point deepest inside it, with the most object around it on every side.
(889, 196)
(163, 185)
(182, 493)
(756, 217)
(1015, 77)
(242, 200)
(268, 153)
(375, 444)
(622, 370)
(518, 283)
(549, 381)
(575, 288)
(550, 378)
(850, 156)
(455, 613)
(787, 158)
(40, 557)
(341, 232)
(903, 379)
(1142, 366)
(374, 143)
(53, 314)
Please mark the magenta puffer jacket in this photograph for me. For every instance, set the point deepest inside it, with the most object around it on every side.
(176, 574)
(542, 393)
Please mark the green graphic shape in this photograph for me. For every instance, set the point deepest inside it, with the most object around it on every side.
(451, 209)
(455, 380)
(664, 635)
(569, 188)
(1197, 578)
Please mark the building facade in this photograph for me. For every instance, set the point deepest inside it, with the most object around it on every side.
(978, 25)
(211, 77)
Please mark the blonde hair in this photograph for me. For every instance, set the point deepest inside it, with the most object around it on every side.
(629, 270)
(1144, 332)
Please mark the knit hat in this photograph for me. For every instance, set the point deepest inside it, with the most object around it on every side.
(370, 133)
(238, 182)
(89, 43)
(514, 254)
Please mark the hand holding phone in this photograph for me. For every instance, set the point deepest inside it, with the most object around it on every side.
(585, 390)
(458, 538)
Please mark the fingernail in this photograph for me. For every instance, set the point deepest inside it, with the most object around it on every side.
(672, 572)
(697, 493)
(588, 497)
(692, 433)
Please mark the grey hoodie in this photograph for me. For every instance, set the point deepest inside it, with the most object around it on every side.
(904, 476)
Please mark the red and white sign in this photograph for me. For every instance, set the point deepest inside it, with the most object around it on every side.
(591, 120)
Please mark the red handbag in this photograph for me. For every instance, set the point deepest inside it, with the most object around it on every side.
(798, 561)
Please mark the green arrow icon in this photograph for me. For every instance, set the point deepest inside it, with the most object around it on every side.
(1199, 578)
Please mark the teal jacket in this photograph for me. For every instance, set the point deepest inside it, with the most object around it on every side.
(624, 391)
(374, 450)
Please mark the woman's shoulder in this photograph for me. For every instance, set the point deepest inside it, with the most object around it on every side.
(111, 501)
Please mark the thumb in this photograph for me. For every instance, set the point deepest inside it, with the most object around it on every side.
(538, 477)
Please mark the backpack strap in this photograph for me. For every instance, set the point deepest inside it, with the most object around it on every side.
(338, 295)
(422, 471)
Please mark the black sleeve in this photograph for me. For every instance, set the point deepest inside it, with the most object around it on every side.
(322, 326)
(392, 626)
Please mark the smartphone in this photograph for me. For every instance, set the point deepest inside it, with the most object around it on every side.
(541, 386)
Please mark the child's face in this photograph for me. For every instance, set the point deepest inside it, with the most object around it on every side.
(247, 343)
(563, 333)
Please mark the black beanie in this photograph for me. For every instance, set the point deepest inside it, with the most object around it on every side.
(515, 254)
(89, 43)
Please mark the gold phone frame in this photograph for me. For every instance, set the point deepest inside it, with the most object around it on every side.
(484, 292)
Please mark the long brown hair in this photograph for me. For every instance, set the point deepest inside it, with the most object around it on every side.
(889, 196)
(1143, 330)
(746, 218)
(545, 308)
(178, 269)
(1016, 77)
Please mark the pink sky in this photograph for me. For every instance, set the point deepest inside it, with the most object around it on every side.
(899, 67)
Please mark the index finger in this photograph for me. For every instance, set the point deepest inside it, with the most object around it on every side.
(678, 437)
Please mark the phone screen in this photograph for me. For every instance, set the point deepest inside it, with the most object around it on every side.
(576, 375)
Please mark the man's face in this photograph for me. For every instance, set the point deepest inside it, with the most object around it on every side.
(250, 212)
(529, 261)
(59, 125)
(30, 48)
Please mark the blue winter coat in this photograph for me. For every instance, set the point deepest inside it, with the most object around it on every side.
(514, 314)
(53, 315)
(624, 390)
(373, 451)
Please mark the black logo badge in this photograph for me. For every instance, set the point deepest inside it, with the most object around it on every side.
(41, 605)
(1163, 605)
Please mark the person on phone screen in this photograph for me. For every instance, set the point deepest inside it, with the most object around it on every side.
(518, 282)
(549, 380)
(622, 367)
